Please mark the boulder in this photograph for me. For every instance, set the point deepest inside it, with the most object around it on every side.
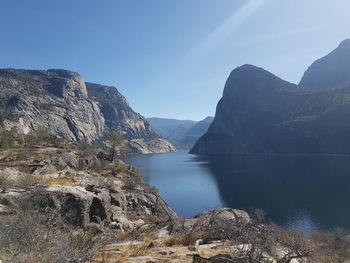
(215, 218)
(220, 258)
(145, 204)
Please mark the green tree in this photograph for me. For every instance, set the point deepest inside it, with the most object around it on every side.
(115, 140)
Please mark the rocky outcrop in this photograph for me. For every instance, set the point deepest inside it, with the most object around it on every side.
(91, 205)
(260, 113)
(61, 102)
(86, 190)
(150, 145)
(216, 218)
(330, 71)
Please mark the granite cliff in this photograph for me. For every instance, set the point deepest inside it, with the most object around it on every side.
(260, 113)
(60, 101)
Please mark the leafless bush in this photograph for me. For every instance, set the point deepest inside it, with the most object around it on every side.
(4, 181)
(29, 237)
(8, 139)
(332, 247)
(296, 246)
(10, 178)
(257, 243)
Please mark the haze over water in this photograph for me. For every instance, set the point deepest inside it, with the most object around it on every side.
(306, 192)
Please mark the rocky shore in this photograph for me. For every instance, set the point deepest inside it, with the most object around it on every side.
(70, 199)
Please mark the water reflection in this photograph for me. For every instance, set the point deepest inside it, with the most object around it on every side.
(302, 192)
(187, 185)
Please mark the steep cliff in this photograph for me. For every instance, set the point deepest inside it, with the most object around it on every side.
(117, 112)
(261, 113)
(54, 99)
(60, 101)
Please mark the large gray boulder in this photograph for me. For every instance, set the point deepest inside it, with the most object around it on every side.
(216, 218)
(146, 204)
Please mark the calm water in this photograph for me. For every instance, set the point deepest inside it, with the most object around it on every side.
(303, 192)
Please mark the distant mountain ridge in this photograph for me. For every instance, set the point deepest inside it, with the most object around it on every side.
(183, 133)
(62, 102)
(260, 113)
(166, 127)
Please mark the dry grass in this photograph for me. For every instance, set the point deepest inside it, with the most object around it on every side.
(121, 168)
(137, 250)
(60, 181)
(180, 240)
(120, 185)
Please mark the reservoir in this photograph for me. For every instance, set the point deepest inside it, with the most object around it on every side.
(305, 192)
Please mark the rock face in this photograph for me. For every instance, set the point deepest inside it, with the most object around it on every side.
(60, 101)
(260, 113)
(54, 99)
(117, 112)
(330, 71)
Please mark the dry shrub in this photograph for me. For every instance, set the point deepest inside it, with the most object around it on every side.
(187, 239)
(137, 250)
(31, 237)
(297, 245)
(8, 139)
(4, 181)
(12, 178)
(333, 247)
(121, 168)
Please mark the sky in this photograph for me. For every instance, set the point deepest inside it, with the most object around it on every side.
(170, 58)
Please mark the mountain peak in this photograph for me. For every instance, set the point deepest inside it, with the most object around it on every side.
(250, 71)
(345, 43)
(248, 68)
(250, 78)
(331, 71)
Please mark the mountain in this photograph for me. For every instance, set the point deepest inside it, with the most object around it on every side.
(166, 127)
(69, 108)
(331, 70)
(117, 112)
(260, 113)
(183, 133)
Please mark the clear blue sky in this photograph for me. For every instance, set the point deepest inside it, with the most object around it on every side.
(170, 58)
